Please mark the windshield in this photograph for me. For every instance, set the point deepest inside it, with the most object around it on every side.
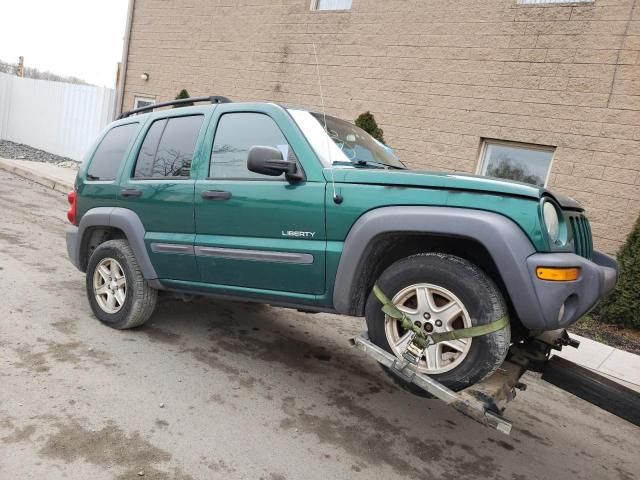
(345, 143)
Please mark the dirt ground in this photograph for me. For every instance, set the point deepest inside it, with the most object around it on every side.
(613, 335)
(221, 390)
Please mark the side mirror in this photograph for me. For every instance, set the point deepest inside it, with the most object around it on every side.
(269, 161)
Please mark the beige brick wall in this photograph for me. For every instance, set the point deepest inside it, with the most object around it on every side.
(439, 75)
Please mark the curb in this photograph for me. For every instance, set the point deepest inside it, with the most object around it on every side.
(618, 365)
(41, 178)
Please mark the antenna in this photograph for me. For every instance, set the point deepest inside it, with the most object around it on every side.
(336, 198)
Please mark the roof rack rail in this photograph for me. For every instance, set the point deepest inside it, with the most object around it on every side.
(182, 101)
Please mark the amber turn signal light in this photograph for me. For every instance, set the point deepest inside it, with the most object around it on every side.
(558, 274)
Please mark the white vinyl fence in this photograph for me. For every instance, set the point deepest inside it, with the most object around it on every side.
(60, 118)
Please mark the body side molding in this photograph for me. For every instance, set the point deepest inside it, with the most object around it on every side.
(256, 255)
(171, 248)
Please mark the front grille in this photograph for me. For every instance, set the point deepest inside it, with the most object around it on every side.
(581, 231)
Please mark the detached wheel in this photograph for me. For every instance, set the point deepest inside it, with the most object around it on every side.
(118, 293)
(442, 292)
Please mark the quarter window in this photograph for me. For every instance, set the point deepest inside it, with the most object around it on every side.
(331, 5)
(235, 135)
(167, 150)
(516, 161)
(110, 153)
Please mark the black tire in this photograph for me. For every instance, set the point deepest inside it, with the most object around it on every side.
(477, 292)
(140, 299)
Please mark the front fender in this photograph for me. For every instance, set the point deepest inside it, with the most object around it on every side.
(507, 244)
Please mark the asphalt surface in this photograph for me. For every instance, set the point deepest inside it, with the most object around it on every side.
(221, 390)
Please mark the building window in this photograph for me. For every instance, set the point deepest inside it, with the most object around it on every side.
(542, 2)
(331, 5)
(140, 102)
(516, 161)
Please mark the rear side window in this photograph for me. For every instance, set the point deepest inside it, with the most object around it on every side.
(110, 153)
(167, 150)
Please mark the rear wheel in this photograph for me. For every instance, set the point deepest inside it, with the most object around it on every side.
(441, 293)
(118, 293)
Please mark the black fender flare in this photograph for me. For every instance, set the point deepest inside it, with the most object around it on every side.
(505, 241)
(123, 219)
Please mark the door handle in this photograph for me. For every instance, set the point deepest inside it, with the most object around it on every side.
(216, 195)
(130, 192)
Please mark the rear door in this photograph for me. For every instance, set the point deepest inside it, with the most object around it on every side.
(159, 187)
(256, 231)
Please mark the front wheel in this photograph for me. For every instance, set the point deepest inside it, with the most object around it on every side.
(118, 293)
(441, 293)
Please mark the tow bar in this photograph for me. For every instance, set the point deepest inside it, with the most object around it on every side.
(486, 400)
(482, 401)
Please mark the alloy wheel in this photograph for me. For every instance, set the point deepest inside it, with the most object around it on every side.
(110, 285)
(434, 309)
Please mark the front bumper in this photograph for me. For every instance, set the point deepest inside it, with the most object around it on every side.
(563, 303)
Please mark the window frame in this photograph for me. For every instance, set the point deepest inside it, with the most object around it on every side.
(168, 118)
(316, 3)
(263, 178)
(125, 157)
(143, 98)
(482, 165)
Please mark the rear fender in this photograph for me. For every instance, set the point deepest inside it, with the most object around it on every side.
(114, 217)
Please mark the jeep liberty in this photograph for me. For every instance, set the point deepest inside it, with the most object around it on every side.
(259, 202)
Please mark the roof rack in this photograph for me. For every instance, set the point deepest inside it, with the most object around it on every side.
(182, 101)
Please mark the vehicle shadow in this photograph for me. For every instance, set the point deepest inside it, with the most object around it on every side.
(304, 368)
(311, 347)
(304, 365)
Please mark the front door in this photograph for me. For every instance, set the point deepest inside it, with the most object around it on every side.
(158, 186)
(253, 230)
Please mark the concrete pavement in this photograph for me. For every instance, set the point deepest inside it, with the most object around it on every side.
(222, 390)
(616, 364)
(47, 174)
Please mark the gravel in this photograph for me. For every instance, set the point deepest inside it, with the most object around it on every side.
(20, 151)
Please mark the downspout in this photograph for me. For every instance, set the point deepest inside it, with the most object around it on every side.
(125, 59)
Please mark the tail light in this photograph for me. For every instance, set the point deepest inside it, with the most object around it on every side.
(72, 197)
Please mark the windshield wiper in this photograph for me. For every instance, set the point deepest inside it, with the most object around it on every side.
(367, 163)
(377, 164)
(359, 163)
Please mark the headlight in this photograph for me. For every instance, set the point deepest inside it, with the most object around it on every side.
(551, 221)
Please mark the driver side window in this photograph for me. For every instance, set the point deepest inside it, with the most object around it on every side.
(235, 134)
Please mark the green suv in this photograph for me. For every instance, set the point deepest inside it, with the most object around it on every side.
(262, 203)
